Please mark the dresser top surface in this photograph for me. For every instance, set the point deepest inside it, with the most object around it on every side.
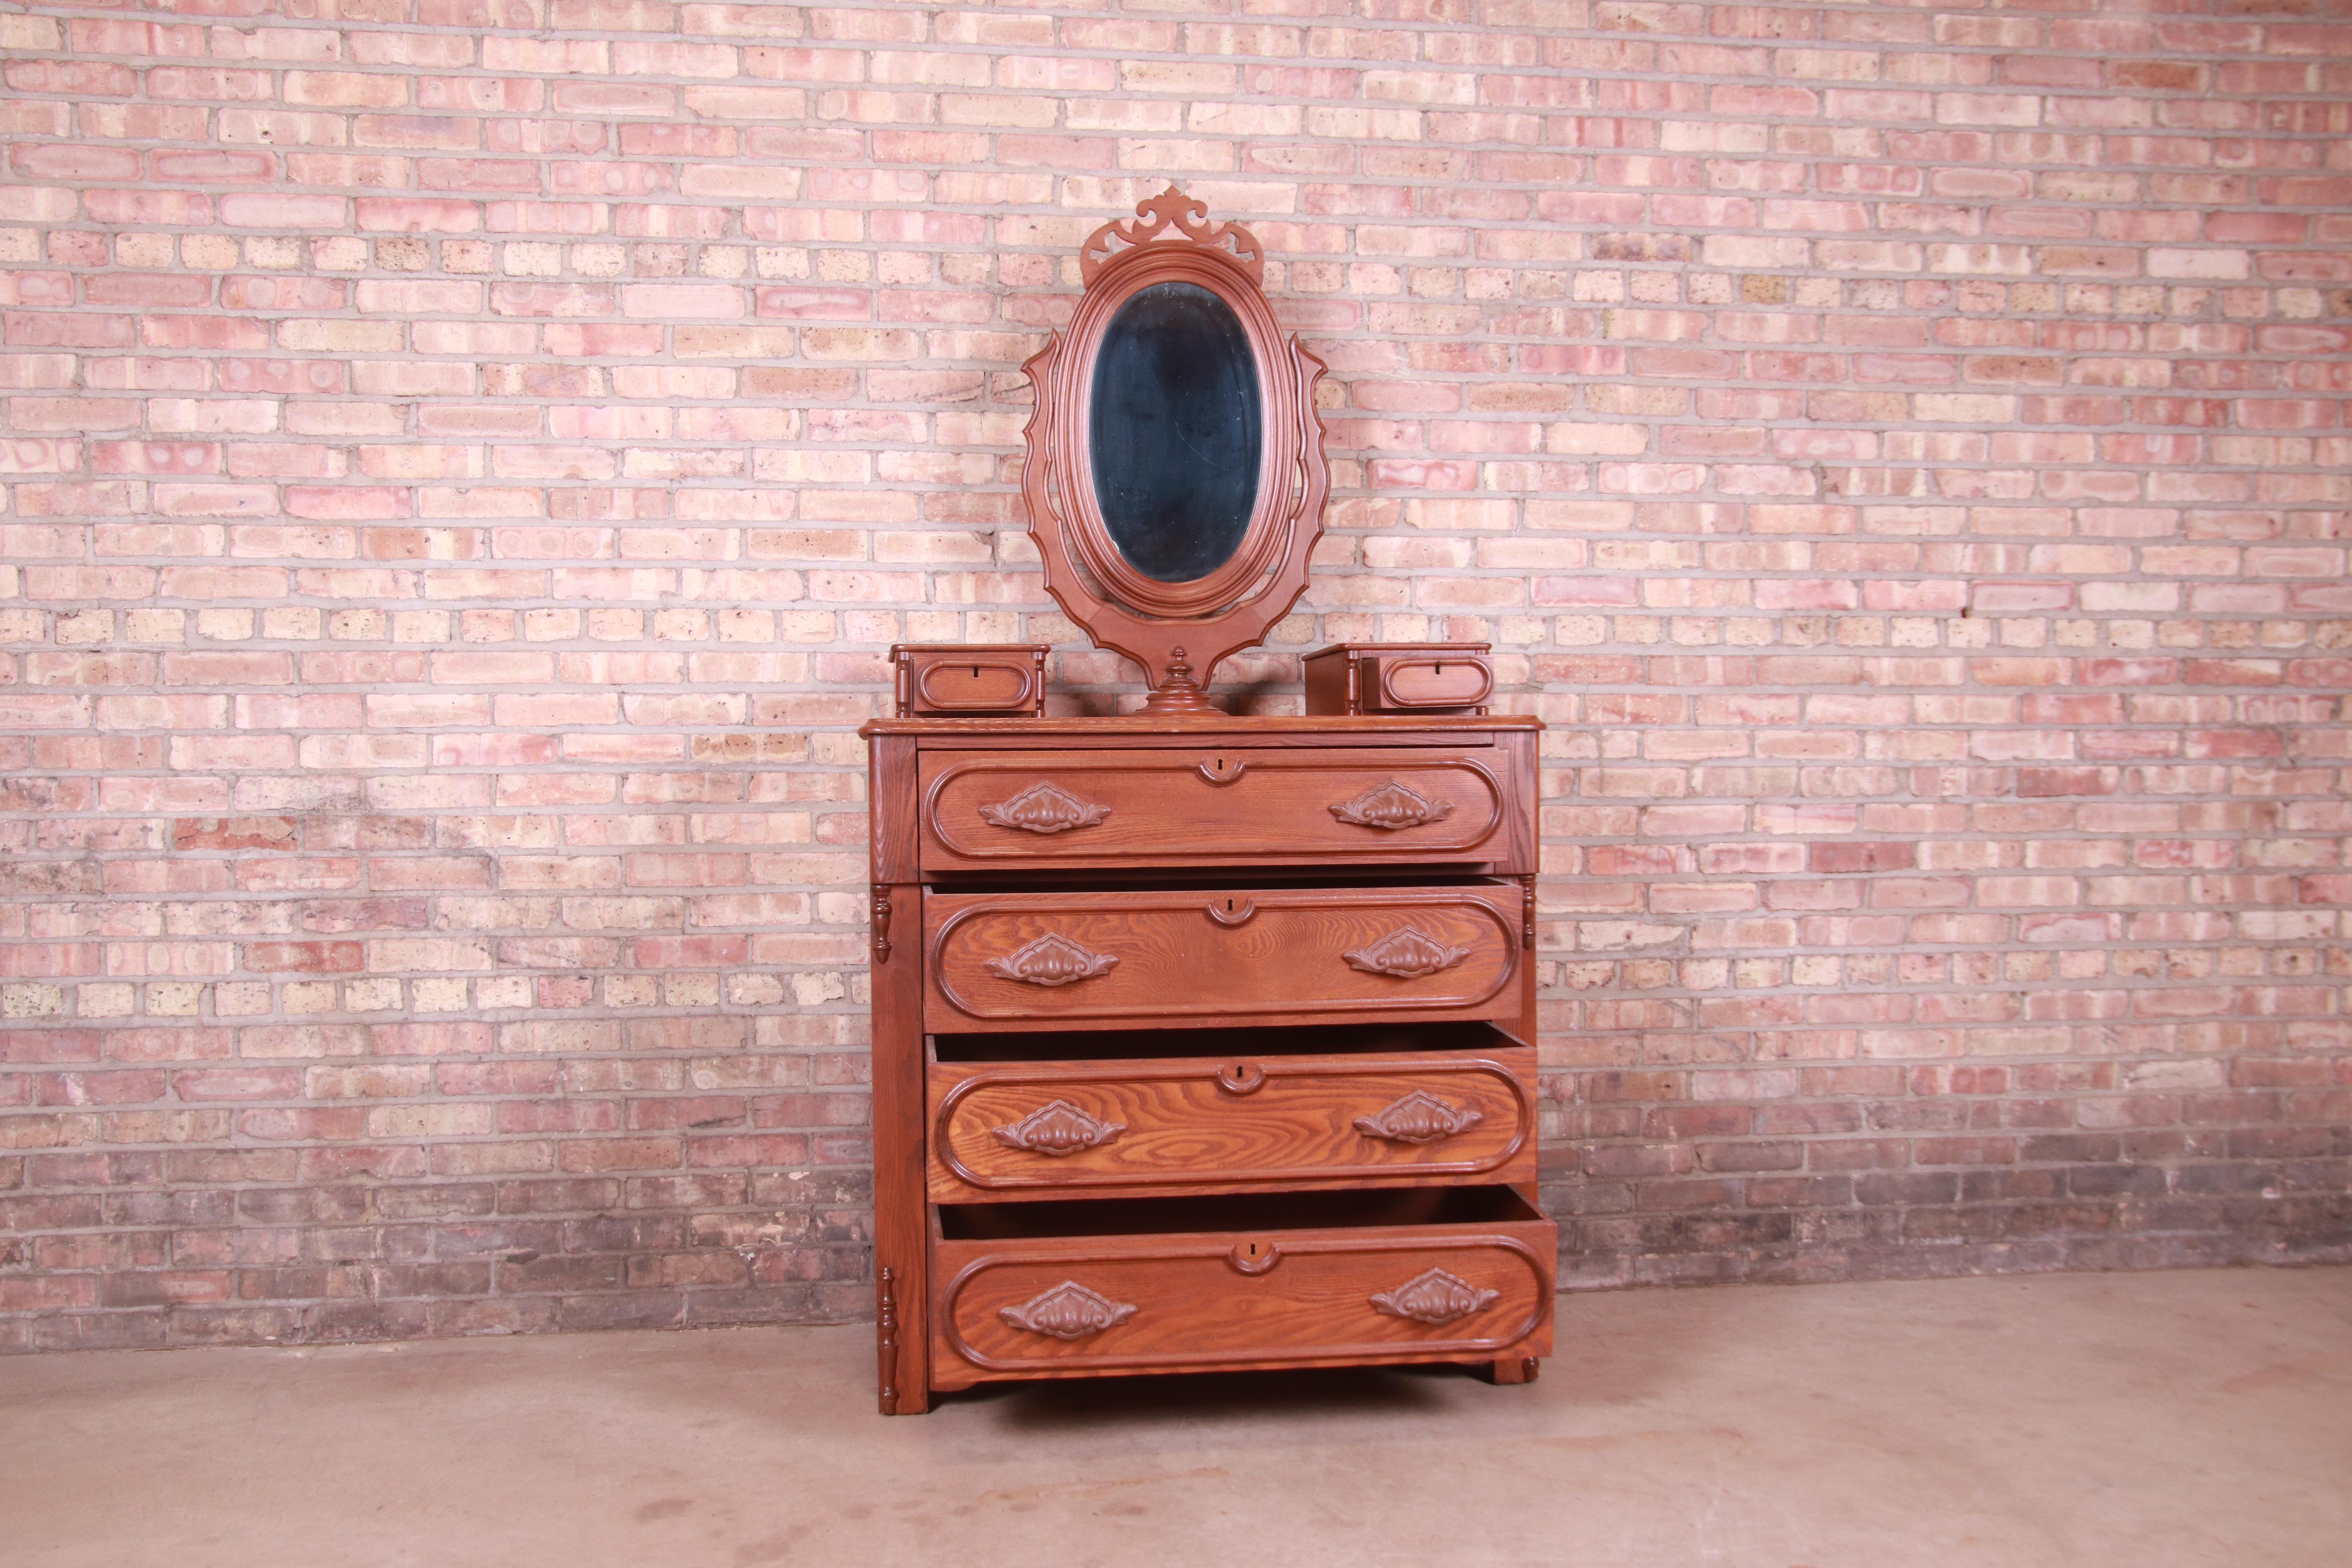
(1194, 728)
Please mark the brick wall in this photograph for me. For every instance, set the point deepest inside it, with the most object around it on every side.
(464, 459)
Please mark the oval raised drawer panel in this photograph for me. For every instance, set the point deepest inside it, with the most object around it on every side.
(1208, 804)
(1140, 1303)
(980, 684)
(1003, 960)
(1060, 1129)
(1430, 680)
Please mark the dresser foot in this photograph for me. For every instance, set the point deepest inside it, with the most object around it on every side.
(1513, 1369)
(893, 1397)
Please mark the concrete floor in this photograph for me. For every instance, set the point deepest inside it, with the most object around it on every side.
(2144, 1420)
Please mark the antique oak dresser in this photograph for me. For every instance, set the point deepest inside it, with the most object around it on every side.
(1201, 1041)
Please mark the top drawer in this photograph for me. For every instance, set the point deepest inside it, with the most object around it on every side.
(1260, 806)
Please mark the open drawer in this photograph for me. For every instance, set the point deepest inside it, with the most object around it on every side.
(1242, 1110)
(1459, 1274)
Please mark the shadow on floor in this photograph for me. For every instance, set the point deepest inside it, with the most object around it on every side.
(1099, 1402)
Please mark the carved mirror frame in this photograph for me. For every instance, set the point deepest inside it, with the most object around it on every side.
(1177, 631)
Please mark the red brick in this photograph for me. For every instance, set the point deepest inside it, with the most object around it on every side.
(1927, 552)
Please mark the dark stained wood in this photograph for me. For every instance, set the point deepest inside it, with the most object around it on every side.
(1007, 1131)
(1255, 806)
(1273, 955)
(1177, 631)
(1427, 1287)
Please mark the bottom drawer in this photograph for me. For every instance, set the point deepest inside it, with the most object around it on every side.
(1071, 1290)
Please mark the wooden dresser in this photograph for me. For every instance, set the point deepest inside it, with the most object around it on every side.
(1203, 1042)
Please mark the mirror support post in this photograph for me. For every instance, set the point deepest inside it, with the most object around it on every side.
(1179, 693)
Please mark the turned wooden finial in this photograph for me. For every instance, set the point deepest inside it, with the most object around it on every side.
(1179, 693)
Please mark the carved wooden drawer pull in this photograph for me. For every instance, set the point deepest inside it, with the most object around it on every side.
(1060, 1128)
(1232, 911)
(1069, 1312)
(1043, 807)
(1435, 1298)
(1419, 1118)
(1052, 960)
(1392, 806)
(1223, 770)
(1406, 953)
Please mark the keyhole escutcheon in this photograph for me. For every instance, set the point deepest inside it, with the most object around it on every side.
(1254, 1255)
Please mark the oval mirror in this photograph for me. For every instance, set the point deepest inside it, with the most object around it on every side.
(1175, 431)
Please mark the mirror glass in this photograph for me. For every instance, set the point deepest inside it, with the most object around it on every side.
(1175, 431)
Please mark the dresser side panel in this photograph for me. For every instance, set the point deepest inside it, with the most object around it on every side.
(895, 949)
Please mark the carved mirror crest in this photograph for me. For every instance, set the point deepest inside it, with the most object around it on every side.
(1175, 476)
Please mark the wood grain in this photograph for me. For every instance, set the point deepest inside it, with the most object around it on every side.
(1201, 1299)
(1287, 962)
(1312, 1171)
(1110, 731)
(1398, 678)
(1183, 1128)
(1199, 962)
(1402, 683)
(936, 678)
(1169, 808)
(900, 1239)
